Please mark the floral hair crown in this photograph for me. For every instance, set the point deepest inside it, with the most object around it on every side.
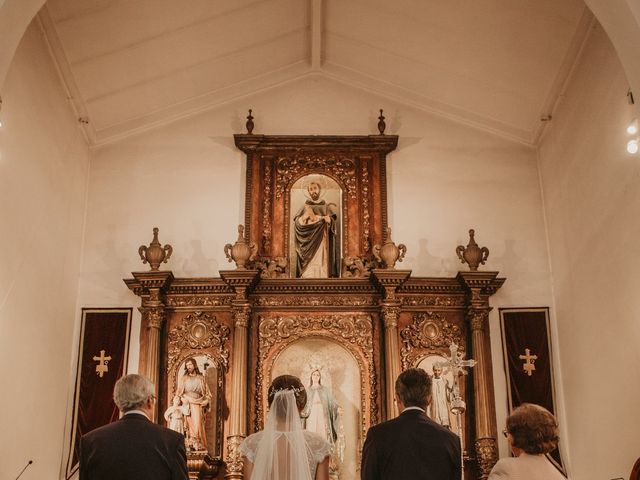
(296, 390)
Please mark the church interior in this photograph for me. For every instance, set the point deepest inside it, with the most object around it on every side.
(135, 128)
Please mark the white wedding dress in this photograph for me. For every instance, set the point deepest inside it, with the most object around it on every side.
(283, 450)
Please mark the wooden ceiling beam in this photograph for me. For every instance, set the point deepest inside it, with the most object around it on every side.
(316, 34)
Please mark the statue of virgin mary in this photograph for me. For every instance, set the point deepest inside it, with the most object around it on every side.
(323, 415)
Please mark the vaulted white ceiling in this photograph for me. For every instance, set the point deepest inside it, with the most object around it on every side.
(499, 65)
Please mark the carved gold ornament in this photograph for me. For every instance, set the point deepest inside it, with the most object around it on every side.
(472, 254)
(234, 457)
(366, 216)
(487, 454)
(241, 252)
(389, 253)
(290, 168)
(358, 267)
(197, 331)
(478, 319)
(428, 332)
(430, 301)
(316, 301)
(155, 253)
(197, 300)
(154, 316)
(353, 332)
(271, 267)
(355, 329)
(268, 208)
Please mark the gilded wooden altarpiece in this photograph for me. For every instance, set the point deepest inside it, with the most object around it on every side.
(356, 163)
(383, 320)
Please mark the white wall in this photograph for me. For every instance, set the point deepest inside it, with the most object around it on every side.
(44, 166)
(188, 179)
(592, 204)
(15, 15)
(455, 175)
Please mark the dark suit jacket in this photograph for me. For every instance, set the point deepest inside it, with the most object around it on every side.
(133, 448)
(411, 447)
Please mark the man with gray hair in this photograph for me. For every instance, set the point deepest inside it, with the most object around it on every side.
(133, 447)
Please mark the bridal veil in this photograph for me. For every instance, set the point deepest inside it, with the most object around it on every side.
(282, 452)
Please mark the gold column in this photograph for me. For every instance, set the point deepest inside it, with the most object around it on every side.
(388, 281)
(238, 415)
(150, 286)
(390, 314)
(480, 286)
(153, 316)
(241, 281)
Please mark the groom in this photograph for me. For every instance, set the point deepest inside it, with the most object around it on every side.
(411, 446)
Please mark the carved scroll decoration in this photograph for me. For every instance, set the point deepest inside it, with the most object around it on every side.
(356, 329)
(154, 316)
(353, 332)
(366, 217)
(266, 213)
(315, 301)
(198, 300)
(290, 168)
(345, 227)
(428, 332)
(430, 301)
(487, 452)
(271, 267)
(234, 457)
(198, 331)
(358, 267)
(478, 319)
(202, 464)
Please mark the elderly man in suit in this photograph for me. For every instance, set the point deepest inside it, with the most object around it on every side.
(411, 446)
(133, 447)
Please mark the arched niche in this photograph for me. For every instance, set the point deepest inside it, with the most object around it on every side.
(303, 205)
(340, 376)
(341, 347)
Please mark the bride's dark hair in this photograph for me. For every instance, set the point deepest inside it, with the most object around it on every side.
(288, 382)
(282, 451)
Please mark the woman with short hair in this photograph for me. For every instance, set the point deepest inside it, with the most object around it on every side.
(532, 432)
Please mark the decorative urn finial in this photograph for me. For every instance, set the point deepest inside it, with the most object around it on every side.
(155, 253)
(381, 125)
(472, 254)
(249, 123)
(241, 252)
(388, 254)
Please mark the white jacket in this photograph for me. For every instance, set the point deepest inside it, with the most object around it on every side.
(525, 467)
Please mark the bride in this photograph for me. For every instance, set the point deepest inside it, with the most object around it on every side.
(283, 450)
